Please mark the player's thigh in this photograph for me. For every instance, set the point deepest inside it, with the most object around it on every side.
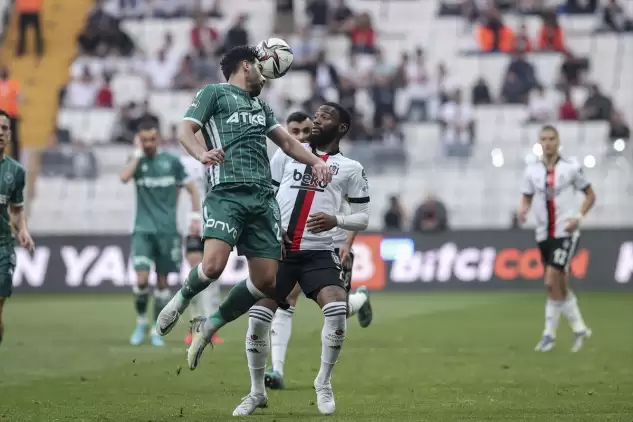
(261, 237)
(321, 269)
(288, 272)
(215, 256)
(143, 252)
(169, 257)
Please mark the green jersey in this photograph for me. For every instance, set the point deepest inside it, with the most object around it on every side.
(12, 179)
(158, 180)
(231, 119)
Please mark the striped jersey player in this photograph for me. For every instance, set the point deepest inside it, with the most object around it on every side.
(550, 188)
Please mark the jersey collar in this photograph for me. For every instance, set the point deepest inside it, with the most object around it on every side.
(555, 162)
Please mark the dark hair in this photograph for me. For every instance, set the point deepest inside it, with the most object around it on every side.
(298, 116)
(146, 124)
(344, 115)
(550, 127)
(232, 58)
(5, 114)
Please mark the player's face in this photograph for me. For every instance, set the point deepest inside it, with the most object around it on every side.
(326, 127)
(5, 132)
(549, 142)
(149, 141)
(254, 77)
(300, 130)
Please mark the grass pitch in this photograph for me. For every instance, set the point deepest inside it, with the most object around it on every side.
(427, 357)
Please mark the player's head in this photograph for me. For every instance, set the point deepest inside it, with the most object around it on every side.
(5, 129)
(331, 123)
(299, 125)
(242, 62)
(549, 140)
(149, 137)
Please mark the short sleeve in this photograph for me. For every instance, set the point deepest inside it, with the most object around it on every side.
(271, 120)
(358, 187)
(277, 167)
(203, 105)
(527, 187)
(580, 182)
(180, 173)
(17, 195)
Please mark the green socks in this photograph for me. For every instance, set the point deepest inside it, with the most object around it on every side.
(239, 300)
(195, 282)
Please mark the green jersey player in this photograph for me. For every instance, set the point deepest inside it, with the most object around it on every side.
(158, 176)
(12, 180)
(240, 209)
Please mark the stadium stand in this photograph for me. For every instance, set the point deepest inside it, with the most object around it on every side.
(480, 189)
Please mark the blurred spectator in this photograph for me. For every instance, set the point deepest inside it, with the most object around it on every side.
(567, 110)
(285, 17)
(319, 13)
(388, 133)
(522, 41)
(311, 104)
(29, 16)
(105, 98)
(471, 10)
(305, 49)
(431, 216)
(168, 9)
(580, 6)
(572, 71)
(417, 88)
(81, 92)
(493, 35)
(10, 101)
(98, 14)
(104, 38)
(325, 73)
(118, 41)
(236, 35)
(362, 35)
(90, 42)
(382, 68)
(203, 37)
(481, 92)
(523, 70)
(443, 85)
(394, 216)
(457, 123)
(597, 106)
(204, 68)
(618, 129)
(347, 93)
(383, 95)
(160, 71)
(185, 77)
(353, 72)
(615, 19)
(551, 34)
(342, 18)
(539, 107)
(514, 91)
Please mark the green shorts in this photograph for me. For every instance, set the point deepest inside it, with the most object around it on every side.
(163, 250)
(246, 216)
(7, 266)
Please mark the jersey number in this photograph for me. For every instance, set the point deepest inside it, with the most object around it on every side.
(560, 256)
(277, 232)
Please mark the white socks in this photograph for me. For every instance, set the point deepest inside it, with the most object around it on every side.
(572, 312)
(280, 332)
(258, 345)
(355, 301)
(553, 309)
(332, 338)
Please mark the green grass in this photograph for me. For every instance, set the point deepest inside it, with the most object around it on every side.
(433, 357)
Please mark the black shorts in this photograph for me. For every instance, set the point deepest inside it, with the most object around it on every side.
(194, 244)
(558, 252)
(346, 271)
(313, 270)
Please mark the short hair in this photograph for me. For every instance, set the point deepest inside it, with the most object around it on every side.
(5, 114)
(298, 116)
(146, 124)
(550, 127)
(344, 115)
(232, 58)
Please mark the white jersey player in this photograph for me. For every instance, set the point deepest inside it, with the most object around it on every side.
(309, 211)
(549, 188)
(209, 300)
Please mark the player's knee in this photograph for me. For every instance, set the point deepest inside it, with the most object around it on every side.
(161, 281)
(268, 304)
(213, 266)
(142, 279)
(329, 294)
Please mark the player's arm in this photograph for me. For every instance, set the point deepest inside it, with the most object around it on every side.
(131, 166)
(183, 179)
(582, 184)
(17, 214)
(277, 163)
(527, 193)
(200, 110)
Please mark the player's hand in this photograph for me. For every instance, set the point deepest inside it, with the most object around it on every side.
(213, 157)
(194, 228)
(572, 224)
(343, 253)
(25, 240)
(285, 242)
(522, 216)
(322, 172)
(321, 222)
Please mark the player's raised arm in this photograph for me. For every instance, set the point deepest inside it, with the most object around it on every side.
(527, 193)
(18, 216)
(295, 149)
(200, 110)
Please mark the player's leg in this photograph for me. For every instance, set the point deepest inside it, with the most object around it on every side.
(169, 260)
(554, 302)
(143, 259)
(358, 303)
(7, 266)
(280, 332)
(2, 301)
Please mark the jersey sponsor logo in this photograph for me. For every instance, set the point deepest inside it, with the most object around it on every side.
(257, 119)
(8, 178)
(334, 168)
(156, 182)
(307, 182)
(212, 223)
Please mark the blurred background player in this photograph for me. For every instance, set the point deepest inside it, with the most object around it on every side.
(12, 181)
(299, 125)
(309, 211)
(209, 300)
(158, 176)
(549, 188)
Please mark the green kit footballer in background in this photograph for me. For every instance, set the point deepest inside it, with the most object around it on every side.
(240, 209)
(12, 215)
(158, 176)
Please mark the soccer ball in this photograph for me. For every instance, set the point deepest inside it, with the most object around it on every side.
(275, 56)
